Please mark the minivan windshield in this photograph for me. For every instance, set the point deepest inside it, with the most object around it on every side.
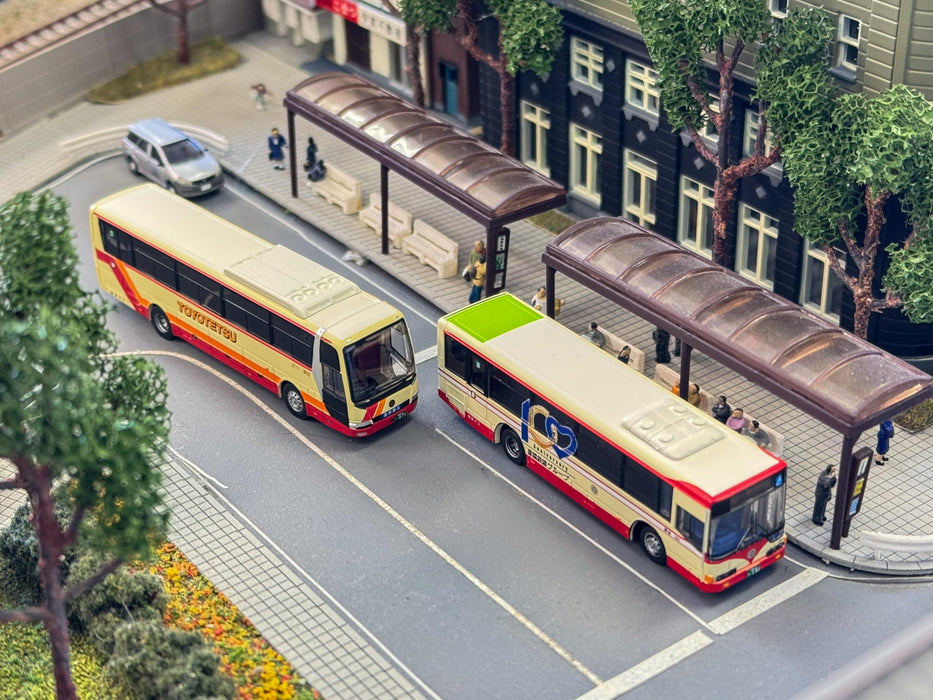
(380, 362)
(182, 151)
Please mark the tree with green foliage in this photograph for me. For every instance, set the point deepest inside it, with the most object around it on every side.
(76, 422)
(530, 33)
(682, 37)
(845, 169)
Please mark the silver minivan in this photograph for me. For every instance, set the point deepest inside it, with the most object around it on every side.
(171, 158)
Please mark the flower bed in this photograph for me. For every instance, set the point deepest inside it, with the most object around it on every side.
(259, 671)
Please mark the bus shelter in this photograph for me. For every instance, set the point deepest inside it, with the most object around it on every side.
(446, 162)
(841, 380)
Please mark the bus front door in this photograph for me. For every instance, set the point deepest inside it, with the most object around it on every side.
(332, 387)
(478, 370)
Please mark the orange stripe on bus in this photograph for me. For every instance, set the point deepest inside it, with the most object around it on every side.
(208, 340)
(119, 271)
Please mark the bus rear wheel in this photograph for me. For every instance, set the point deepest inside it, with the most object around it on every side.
(512, 445)
(294, 401)
(161, 323)
(653, 545)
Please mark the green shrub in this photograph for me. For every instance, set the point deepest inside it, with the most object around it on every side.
(20, 548)
(123, 596)
(161, 663)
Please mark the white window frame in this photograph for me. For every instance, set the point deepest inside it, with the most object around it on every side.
(828, 283)
(765, 229)
(586, 63)
(641, 87)
(778, 8)
(708, 132)
(702, 197)
(845, 42)
(535, 125)
(585, 148)
(750, 135)
(640, 170)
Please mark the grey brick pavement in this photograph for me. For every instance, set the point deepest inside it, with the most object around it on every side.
(897, 499)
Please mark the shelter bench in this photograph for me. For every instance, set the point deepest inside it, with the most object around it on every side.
(614, 344)
(340, 189)
(399, 219)
(433, 248)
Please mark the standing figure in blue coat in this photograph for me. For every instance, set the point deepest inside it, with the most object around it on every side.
(885, 433)
(276, 143)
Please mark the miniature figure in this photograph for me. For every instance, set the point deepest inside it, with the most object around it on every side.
(824, 491)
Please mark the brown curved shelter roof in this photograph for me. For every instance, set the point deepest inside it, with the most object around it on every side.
(845, 382)
(447, 162)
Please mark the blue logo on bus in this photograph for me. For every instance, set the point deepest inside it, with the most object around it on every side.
(559, 437)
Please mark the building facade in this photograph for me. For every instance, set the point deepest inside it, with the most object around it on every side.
(370, 38)
(596, 124)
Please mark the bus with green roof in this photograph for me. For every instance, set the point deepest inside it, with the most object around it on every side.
(696, 495)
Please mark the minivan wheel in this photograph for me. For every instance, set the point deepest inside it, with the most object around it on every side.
(131, 164)
(171, 188)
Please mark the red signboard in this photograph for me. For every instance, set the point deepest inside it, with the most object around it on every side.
(344, 8)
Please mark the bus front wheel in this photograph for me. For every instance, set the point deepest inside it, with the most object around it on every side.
(294, 401)
(513, 447)
(653, 545)
(161, 323)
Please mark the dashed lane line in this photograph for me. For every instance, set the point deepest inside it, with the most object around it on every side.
(423, 538)
(649, 668)
(767, 600)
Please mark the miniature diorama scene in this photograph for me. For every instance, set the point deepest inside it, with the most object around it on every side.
(432, 349)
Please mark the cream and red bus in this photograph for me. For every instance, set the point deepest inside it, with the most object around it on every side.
(332, 351)
(695, 494)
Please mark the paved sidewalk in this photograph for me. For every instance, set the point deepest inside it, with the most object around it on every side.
(896, 501)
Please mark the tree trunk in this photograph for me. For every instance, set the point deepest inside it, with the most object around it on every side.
(51, 548)
(724, 192)
(413, 48)
(184, 55)
(507, 109)
(863, 295)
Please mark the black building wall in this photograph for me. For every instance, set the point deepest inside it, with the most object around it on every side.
(675, 155)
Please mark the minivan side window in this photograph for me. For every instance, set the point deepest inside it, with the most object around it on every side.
(154, 154)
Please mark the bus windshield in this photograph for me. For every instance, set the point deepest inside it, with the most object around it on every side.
(379, 362)
(761, 517)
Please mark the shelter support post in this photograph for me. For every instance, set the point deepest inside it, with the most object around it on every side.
(291, 153)
(844, 486)
(384, 190)
(549, 284)
(685, 351)
(489, 284)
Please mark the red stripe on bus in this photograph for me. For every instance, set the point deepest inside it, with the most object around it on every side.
(123, 279)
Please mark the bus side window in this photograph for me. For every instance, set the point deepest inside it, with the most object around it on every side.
(247, 315)
(155, 263)
(599, 455)
(292, 340)
(110, 236)
(456, 356)
(508, 392)
(646, 487)
(201, 289)
(478, 374)
(690, 527)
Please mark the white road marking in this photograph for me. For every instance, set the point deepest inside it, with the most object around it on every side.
(426, 354)
(194, 467)
(577, 530)
(767, 600)
(649, 668)
(428, 542)
(285, 222)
